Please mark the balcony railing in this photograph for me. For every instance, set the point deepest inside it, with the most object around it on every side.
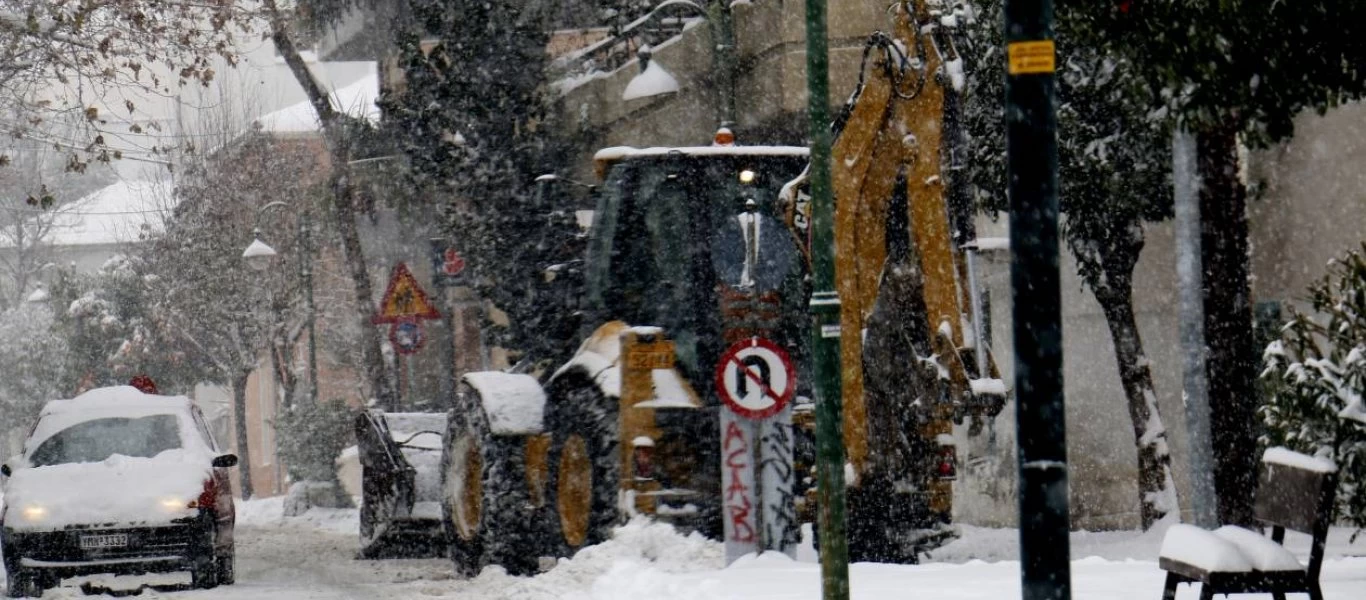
(666, 21)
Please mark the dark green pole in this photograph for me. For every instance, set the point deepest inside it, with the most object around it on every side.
(1032, 163)
(825, 315)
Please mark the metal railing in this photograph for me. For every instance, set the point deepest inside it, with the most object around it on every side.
(665, 21)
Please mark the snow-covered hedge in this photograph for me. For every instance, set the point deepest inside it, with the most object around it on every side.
(1316, 375)
(311, 436)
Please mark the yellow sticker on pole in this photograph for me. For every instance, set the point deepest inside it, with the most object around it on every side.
(1029, 58)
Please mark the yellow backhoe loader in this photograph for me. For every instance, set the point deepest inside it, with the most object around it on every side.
(701, 246)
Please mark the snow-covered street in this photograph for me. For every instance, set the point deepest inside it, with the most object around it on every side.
(312, 558)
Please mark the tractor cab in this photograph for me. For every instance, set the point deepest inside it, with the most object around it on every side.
(695, 240)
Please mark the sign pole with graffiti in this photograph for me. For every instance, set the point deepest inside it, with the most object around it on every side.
(756, 381)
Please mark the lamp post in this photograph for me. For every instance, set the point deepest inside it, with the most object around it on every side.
(258, 256)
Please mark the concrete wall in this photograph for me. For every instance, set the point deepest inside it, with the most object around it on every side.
(1101, 454)
(1314, 205)
(263, 404)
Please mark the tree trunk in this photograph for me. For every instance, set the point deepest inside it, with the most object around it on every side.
(282, 363)
(382, 386)
(239, 418)
(344, 197)
(1231, 366)
(1156, 491)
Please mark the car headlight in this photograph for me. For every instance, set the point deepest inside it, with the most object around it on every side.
(34, 513)
(174, 504)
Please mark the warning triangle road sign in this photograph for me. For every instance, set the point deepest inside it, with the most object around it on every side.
(404, 299)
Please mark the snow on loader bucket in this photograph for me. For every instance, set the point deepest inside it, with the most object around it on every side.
(533, 472)
(400, 456)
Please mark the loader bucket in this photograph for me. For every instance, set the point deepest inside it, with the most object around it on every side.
(400, 456)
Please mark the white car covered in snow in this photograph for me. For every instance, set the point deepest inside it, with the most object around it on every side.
(117, 481)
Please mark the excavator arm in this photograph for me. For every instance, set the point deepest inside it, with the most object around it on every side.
(892, 135)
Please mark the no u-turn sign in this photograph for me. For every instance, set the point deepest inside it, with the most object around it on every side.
(755, 378)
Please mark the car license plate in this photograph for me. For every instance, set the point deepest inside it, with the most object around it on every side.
(111, 540)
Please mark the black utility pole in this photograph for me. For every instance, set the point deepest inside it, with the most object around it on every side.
(1032, 162)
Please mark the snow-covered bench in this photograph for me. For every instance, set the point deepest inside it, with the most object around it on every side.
(1294, 492)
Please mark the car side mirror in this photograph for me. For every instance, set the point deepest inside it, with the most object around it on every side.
(225, 460)
(4, 470)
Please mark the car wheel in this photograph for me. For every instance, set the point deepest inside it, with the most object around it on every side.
(204, 574)
(24, 584)
(227, 569)
(203, 564)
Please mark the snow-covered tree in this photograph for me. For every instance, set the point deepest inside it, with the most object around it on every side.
(480, 155)
(1231, 72)
(1316, 376)
(111, 335)
(36, 192)
(61, 59)
(346, 138)
(32, 359)
(204, 293)
(1113, 172)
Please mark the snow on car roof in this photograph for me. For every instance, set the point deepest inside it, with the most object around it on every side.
(118, 401)
(621, 152)
(117, 398)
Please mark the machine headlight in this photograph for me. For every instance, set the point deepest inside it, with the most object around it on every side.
(747, 176)
(34, 513)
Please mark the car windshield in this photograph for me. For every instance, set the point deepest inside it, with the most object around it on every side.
(99, 439)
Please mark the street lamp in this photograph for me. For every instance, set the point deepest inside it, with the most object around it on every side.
(259, 255)
(654, 80)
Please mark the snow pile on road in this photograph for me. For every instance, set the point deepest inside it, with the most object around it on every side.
(642, 560)
(292, 558)
(269, 513)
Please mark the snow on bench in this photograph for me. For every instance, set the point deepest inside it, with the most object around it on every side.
(1295, 492)
(1261, 551)
(1290, 458)
(1204, 550)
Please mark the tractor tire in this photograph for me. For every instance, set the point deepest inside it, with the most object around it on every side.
(584, 464)
(487, 510)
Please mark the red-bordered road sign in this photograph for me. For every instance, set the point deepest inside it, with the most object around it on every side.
(404, 300)
(755, 378)
(407, 336)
